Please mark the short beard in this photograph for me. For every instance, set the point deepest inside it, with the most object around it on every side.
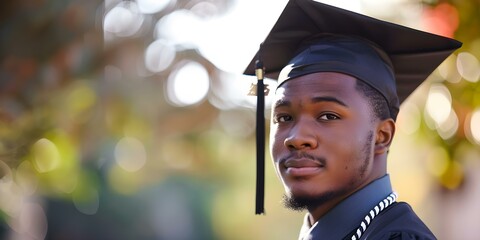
(300, 203)
(306, 203)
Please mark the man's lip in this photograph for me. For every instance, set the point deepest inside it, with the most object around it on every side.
(302, 163)
(302, 167)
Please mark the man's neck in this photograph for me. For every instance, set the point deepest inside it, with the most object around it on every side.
(319, 211)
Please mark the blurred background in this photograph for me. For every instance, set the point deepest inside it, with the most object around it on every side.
(131, 120)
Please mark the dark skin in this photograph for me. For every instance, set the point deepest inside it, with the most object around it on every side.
(325, 141)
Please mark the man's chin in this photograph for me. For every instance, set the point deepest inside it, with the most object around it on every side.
(295, 203)
(300, 203)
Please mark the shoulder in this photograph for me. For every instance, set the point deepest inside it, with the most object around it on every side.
(398, 221)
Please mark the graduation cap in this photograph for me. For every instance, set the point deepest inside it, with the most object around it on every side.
(311, 37)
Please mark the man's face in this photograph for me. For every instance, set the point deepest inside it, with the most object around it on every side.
(322, 138)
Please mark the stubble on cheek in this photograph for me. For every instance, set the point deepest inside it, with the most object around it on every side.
(366, 154)
(363, 155)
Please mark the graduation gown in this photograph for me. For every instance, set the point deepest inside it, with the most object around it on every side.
(397, 222)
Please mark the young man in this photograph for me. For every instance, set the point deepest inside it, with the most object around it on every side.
(342, 77)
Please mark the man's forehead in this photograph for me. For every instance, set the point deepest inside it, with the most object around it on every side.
(341, 90)
(319, 81)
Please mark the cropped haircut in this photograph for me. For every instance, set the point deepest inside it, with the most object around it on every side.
(377, 102)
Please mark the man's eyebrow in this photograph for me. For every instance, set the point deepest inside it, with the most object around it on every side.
(287, 103)
(282, 103)
(328, 99)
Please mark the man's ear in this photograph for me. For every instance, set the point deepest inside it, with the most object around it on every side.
(384, 136)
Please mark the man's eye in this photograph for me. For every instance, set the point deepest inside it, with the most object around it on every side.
(284, 118)
(329, 116)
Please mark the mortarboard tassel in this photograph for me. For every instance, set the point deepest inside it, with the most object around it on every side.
(260, 129)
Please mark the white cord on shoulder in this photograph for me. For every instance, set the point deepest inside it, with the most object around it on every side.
(373, 213)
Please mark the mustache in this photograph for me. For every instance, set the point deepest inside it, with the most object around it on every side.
(302, 155)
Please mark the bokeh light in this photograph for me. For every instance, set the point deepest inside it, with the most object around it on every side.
(123, 20)
(439, 112)
(218, 35)
(205, 10)
(180, 27)
(442, 19)
(153, 6)
(439, 104)
(31, 222)
(475, 126)
(188, 85)
(468, 66)
(46, 154)
(130, 154)
(26, 178)
(11, 199)
(159, 55)
(448, 128)
(448, 70)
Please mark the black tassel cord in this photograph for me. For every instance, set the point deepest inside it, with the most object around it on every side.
(260, 129)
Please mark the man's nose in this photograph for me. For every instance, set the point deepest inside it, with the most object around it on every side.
(302, 136)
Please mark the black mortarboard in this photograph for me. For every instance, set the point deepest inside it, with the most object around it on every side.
(313, 37)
